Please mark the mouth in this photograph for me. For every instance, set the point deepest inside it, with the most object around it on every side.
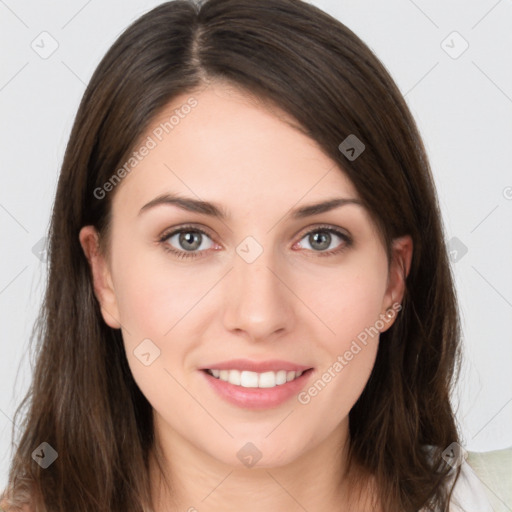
(252, 385)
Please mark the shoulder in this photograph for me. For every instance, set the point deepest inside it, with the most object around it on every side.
(469, 492)
(493, 470)
(483, 484)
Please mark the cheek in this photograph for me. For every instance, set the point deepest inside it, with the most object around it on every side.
(152, 293)
(348, 357)
(349, 300)
(350, 305)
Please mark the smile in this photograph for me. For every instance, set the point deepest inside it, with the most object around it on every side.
(248, 379)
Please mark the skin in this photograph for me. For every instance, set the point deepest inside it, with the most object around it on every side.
(291, 303)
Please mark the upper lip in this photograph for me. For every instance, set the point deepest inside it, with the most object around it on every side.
(272, 365)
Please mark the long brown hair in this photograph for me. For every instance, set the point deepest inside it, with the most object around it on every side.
(83, 400)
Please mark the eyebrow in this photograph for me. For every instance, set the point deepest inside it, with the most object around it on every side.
(216, 210)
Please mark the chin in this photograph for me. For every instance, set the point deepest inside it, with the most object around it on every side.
(257, 452)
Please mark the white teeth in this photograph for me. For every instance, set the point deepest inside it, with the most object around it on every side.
(248, 379)
(267, 380)
(234, 377)
(281, 377)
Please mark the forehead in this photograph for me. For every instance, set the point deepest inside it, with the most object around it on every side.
(227, 146)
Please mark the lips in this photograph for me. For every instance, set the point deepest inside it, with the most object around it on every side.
(256, 384)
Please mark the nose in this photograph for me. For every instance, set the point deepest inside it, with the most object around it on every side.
(257, 302)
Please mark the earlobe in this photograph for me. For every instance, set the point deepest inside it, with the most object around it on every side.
(402, 250)
(102, 279)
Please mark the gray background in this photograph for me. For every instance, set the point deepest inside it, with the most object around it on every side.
(461, 98)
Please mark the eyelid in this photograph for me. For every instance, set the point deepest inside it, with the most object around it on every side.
(177, 229)
(324, 227)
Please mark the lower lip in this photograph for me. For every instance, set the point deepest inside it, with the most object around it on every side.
(257, 398)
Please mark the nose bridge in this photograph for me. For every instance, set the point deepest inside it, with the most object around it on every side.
(258, 302)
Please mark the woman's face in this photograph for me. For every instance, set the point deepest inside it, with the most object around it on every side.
(252, 297)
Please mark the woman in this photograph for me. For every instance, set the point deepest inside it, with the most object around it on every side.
(249, 299)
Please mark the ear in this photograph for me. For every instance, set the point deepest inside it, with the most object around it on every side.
(400, 264)
(102, 279)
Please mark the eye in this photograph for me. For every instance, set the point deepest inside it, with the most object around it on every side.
(191, 241)
(321, 240)
(186, 242)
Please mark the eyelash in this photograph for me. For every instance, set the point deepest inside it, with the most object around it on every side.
(191, 254)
